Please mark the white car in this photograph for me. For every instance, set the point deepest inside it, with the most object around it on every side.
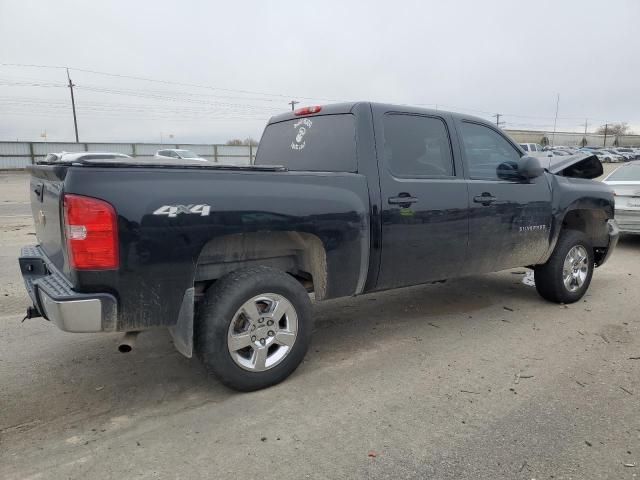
(606, 156)
(178, 154)
(625, 182)
(626, 152)
(532, 147)
(66, 157)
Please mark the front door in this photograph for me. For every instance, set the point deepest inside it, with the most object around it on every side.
(424, 201)
(510, 217)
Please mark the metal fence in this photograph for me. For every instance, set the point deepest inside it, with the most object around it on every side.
(572, 139)
(18, 155)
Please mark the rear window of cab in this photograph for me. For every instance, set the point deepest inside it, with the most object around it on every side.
(322, 143)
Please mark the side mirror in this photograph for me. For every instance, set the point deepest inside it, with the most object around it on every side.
(529, 167)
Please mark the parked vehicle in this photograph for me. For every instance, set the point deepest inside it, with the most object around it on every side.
(625, 182)
(342, 200)
(626, 152)
(70, 157)
(616, 157)
(532, 147)
(607, 157)
(177, 153)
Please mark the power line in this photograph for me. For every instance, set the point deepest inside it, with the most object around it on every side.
(175, 96)
(166, 82)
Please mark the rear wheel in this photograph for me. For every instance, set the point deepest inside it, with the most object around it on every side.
(254, 328)
(567, 274)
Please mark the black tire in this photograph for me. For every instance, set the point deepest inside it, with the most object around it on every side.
(223, 300)
(549, 277)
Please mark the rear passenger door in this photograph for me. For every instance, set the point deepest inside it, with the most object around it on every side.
(510, 217)
(424, 200)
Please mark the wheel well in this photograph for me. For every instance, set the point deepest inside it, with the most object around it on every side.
(302, 255)
(593, 223)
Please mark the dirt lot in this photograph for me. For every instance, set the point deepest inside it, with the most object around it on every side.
(476, 378)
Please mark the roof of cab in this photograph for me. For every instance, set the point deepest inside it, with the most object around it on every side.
(347, 107)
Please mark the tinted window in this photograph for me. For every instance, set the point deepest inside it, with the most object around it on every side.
(525, 147)
(318, 143)
(416, 146)
(486, 150)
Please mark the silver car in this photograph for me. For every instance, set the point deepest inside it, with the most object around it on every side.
(178, 154)
(605, 156)
(625, 182)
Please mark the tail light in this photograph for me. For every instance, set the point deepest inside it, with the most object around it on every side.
(307, 110)
(92, 233)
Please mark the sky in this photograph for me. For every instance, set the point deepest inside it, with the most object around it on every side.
(208, 71)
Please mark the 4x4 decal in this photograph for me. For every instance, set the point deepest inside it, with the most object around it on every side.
(172, 211)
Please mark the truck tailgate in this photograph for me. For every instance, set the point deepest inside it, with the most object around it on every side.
(46, 207)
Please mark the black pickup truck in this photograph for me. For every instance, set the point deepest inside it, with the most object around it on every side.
(342, 200)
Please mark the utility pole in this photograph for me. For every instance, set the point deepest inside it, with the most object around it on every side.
(73, 106)
(293, 103)
(584, 139)
(606, 128)
(498, 122)
(555, 122)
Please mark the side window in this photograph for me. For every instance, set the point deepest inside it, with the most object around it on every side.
(416, 146)
(489, 155)
(525, 147)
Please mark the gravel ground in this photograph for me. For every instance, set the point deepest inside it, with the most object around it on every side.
(475, 378)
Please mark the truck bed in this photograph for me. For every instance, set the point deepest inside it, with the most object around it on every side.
(161, 256)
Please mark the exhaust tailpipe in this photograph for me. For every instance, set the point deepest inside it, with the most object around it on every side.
(127, 342)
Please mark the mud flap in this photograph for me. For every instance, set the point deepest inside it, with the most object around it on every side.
(182, 331)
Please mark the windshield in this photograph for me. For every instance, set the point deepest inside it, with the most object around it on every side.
(187, 154)
(630, 172)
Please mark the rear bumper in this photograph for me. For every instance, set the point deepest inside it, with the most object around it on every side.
(55, 300)
(628, 220)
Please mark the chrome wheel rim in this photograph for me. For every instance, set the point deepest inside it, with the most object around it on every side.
(262, 332)
(575, 268)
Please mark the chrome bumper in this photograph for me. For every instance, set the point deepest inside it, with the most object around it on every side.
(55, 300)
(628, 220)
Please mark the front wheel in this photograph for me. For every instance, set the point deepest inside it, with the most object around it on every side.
(567, 274)
(254, 328)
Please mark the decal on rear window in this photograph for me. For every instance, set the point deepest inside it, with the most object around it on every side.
(301, 128)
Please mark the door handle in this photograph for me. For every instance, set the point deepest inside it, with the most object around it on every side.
(485, 199)
(403, 199)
